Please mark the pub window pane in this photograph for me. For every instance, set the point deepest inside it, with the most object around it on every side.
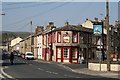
(74, 37)
(66, 53)
(59, 36)
(74, 53)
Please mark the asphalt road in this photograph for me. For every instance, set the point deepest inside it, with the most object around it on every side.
(23, 69)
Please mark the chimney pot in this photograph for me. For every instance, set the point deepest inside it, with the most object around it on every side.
(96, 19)
(39, 29)
(66, 23)
(51, 23)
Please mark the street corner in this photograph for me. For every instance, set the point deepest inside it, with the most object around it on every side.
(65, 67)
(42, 61)
(3, 74)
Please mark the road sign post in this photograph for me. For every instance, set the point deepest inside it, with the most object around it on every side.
(98, 31)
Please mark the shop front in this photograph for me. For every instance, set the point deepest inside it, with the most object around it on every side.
(67, 54)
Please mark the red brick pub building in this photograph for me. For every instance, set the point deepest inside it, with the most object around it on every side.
(66, 44)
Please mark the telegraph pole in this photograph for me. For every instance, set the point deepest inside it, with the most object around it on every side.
(31, 26)
(31, 36)
(108, 35)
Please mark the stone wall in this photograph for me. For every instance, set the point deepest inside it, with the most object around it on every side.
(103, 67)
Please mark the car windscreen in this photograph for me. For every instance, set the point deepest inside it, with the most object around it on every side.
(29, 54)
(15, 52)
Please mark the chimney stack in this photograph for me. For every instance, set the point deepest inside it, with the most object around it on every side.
(117, 22)
(96, 19)
(50, 26)
(87, 19)
(66, 23)
(51, 23)
(39, 29)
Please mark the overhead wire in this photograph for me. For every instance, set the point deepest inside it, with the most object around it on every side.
(45, 12)
(14, 3)
(20, 20)
(41, 13)
(21, 28)
(39, 4)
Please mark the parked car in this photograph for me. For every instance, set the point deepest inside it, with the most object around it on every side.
(5, 53)
(19, 54)
(29, 55)
(15, 53)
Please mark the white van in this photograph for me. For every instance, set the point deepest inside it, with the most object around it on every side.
(29, 55)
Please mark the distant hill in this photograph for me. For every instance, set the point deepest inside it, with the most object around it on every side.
(8, 36)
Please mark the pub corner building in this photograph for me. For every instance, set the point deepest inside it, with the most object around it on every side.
(65, 44)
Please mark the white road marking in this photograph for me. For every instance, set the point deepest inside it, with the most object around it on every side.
(40, 69)
(8, 76)
(70, 76)
(1, 76)
(48, 71)
(54, 73)
(51, 72)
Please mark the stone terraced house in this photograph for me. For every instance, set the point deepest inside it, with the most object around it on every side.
(65, 44)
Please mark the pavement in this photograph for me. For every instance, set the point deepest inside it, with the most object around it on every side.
(82, 68)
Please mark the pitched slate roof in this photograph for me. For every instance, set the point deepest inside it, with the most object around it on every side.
(73, 28)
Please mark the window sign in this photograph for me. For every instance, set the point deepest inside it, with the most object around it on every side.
(66, 39)
(97, 30)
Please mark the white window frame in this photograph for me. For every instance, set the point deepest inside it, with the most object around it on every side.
(66, 53)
